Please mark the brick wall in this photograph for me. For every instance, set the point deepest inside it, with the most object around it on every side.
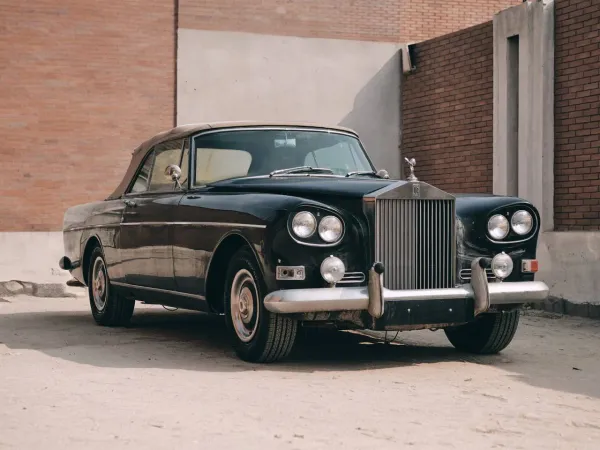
(447, 110)
(426, 19)
(381, 20)
(81, 83)
(343, 19)
(577, 115)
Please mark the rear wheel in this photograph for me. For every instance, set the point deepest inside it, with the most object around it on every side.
(108, 307)
(258, 335)
(489, 333)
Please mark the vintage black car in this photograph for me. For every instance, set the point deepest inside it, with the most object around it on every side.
(281, 226)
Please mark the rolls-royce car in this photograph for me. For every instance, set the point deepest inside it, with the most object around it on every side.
(283, 226)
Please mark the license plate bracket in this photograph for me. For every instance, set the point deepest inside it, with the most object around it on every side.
(425, 312)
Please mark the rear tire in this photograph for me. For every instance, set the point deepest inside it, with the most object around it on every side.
(488, 334)
(108, 308)
(257, 334)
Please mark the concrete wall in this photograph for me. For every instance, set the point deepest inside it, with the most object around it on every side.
(523, 114)
(243, 76)
(570, 265)
(32, 257)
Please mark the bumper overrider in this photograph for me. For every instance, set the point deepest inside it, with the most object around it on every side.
(479, 295)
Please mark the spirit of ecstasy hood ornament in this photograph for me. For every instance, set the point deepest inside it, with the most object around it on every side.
(412, 162)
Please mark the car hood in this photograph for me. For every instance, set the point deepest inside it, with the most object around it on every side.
(354, 187)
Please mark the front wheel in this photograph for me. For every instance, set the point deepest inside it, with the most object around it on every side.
(258, 335)
(490, 333)
(108, 308)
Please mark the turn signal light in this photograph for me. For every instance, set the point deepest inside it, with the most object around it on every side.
(529, 265)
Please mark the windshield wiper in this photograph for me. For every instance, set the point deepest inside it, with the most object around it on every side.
(363, 172)
(300, 169)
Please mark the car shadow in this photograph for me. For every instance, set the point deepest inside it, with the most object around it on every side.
(195, 341)
(192, 341)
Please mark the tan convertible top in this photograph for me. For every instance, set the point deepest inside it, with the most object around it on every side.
(183, 131)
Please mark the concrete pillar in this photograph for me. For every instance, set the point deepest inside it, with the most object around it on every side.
(524, 105)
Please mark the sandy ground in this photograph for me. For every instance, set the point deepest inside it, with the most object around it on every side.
(171, 381)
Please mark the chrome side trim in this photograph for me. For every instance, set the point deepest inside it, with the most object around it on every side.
(162, 291)
(357, 298)
(219, 224)
(92, 227)
(156, 224)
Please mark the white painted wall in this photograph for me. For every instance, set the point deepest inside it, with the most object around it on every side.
(570, 265)
(32, 256)
(224, 76)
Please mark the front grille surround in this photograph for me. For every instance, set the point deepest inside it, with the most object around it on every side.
(415, 237)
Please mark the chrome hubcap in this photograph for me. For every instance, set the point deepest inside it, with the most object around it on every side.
(99, 284)
(244, 306)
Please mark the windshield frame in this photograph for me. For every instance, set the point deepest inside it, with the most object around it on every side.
(192, 153)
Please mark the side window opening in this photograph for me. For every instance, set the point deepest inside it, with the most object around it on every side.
(151, 177)
(143, 179)
(166, 153)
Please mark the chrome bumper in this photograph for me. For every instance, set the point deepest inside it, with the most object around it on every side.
(374, 296)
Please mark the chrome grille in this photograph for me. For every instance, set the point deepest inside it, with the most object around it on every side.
(465, 274)
(415, 240)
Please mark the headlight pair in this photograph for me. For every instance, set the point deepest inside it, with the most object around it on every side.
(521, 223)
(330, 228)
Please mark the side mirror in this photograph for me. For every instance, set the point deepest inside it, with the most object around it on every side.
(382, 173)
(173, 171)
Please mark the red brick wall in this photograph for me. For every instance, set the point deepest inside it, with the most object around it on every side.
(577, 115)
(426, 19)
(447, 110)
(381, 20)
(81, 83)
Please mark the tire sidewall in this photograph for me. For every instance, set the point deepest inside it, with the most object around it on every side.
(251, 350)
(99, 315)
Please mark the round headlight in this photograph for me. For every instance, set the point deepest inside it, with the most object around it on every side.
(304, 224)
(521, 222)
(502, 265)
(332, 269)
(330, 229)
(498, 226)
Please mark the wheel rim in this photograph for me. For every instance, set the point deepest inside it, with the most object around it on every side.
(99, 284)
(245, 310)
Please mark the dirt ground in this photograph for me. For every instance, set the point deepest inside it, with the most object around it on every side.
(172, 381)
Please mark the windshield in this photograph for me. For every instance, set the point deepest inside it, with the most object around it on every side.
(241, 153)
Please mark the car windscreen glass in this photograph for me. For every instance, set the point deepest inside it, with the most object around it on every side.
(238, 153)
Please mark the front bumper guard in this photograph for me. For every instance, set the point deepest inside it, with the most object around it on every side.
(374, 296)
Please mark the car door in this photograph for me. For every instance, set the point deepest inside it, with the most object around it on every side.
(146, 228)
(203, 217)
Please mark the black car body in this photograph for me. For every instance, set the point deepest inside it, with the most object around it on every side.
(366, 252)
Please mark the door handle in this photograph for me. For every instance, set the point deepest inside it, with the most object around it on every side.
(130, 203)
(193, 197)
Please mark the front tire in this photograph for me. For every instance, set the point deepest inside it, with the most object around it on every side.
(488, 334)
(108, 308)
(257, 334)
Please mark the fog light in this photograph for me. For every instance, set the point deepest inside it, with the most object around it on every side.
(332, 269)
(502, 265)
